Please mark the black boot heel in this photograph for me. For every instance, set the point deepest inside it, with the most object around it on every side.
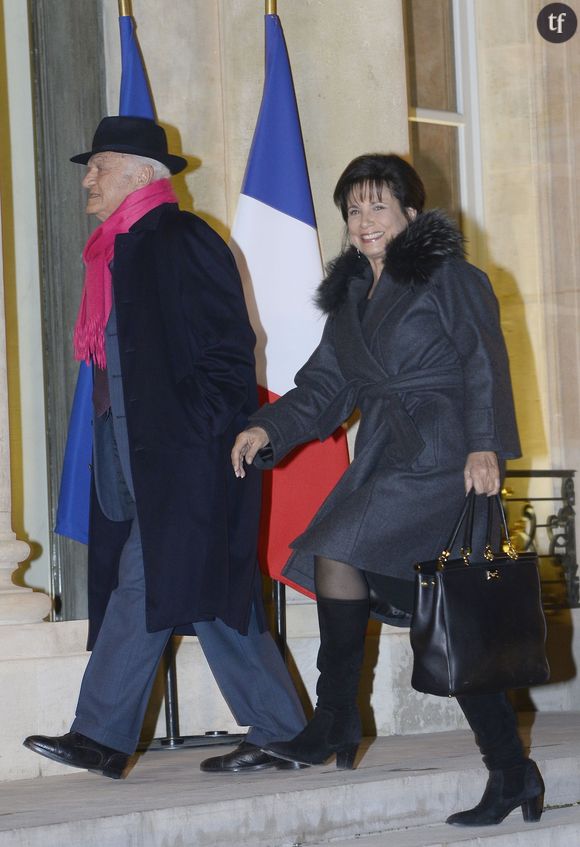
(521, 786)
(532, 809)
(345, 758)
(313, 746)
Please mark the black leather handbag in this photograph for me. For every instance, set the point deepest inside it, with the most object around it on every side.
(478, 626)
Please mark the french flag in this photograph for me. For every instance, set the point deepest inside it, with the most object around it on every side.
(72, 515)
(276, 246)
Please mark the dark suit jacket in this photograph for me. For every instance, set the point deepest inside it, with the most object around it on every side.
(187, 363)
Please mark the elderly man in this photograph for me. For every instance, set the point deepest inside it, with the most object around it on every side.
(172, 533)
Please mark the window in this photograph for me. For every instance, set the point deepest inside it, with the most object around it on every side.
(443, 109)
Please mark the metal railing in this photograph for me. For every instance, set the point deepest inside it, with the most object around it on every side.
(540, 507)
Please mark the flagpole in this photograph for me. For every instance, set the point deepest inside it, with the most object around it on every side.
(278, 588)
(125, 8)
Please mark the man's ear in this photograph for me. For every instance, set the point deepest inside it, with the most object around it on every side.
(145, 175)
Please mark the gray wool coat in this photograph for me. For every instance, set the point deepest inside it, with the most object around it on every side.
(425, 363)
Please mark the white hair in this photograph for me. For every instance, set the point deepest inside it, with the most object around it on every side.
(160, 171)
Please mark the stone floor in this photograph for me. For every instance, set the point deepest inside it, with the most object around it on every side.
(400, 793)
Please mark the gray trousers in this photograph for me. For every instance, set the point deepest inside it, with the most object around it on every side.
(117, 683)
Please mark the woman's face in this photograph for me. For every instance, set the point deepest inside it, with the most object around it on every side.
(374, 219)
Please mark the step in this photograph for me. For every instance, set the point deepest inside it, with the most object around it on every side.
(557, 828)
(400, 782)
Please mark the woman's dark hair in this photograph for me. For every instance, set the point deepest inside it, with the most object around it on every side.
(375, 170)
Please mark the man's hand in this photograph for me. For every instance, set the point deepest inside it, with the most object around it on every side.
(246, 446)
(482, 473)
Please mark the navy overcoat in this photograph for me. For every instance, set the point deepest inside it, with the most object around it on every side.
(424, 361)
(187, 363)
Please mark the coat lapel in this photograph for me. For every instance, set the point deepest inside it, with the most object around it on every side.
(386, 297)
(353, 354)
(355, 337)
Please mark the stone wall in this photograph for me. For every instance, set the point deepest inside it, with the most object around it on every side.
(531, 146)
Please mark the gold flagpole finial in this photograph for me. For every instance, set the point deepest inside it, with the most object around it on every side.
(125, 8)
(271, 7)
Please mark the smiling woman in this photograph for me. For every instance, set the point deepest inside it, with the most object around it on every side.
(378, 197)
(374, 219)
(424, 361)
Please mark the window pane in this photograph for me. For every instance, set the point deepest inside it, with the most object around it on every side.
(435, 156)
(430, 54)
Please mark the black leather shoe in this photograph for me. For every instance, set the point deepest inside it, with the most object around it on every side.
(246, 757)
(78, 751)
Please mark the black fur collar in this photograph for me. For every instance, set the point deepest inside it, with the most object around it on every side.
(412, 257)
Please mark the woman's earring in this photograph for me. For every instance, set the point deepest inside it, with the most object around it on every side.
(357, 253)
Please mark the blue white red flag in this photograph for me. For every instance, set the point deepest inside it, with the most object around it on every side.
(135, 98)
(72, 517)
(276, 245)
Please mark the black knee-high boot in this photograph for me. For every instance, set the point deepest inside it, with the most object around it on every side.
(335, 726)
(513, 779)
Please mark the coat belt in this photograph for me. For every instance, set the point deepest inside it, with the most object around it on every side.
(404, 440)
(426, 379)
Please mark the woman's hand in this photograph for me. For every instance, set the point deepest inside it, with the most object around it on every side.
(246, 446)
(482, 473)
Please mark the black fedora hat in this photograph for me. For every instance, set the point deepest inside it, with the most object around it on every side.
(138, 136)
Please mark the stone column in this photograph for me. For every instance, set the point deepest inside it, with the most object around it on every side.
(17, 604)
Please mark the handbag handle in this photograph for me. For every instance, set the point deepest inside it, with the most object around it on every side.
(509, 547)
(467, 516)
(466, 513)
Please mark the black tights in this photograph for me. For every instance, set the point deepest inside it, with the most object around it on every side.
(337, 581)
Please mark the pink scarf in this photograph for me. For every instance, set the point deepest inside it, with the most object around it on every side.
(97, 298)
